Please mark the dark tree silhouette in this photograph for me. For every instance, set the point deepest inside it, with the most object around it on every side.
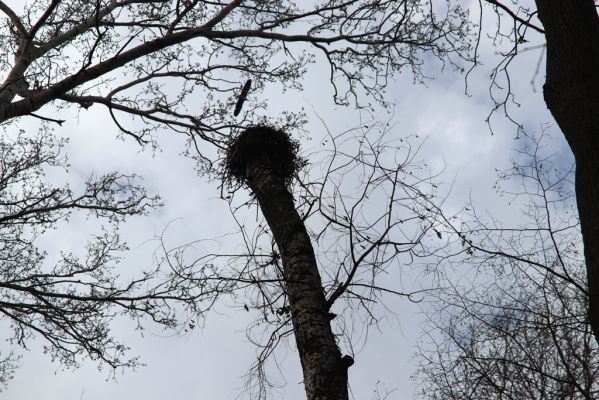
(69, 303)
(317, 271)
(146, 64)
(179, 65)
(122, 54)
(511, 319)
(151, 61)
(266, 159)
(571, 92)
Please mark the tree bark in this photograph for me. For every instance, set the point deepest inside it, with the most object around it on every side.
(325, 371)
(572, 95)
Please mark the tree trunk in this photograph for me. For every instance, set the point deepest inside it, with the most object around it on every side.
(572, 95)
(325, 371)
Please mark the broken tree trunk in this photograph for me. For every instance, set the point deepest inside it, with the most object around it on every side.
(265, 159)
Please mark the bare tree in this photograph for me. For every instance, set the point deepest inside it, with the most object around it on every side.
(150, 61)
(512, 320)
(68, 299)
(266, 160)
(316, 271)
(153, 60)
(571, 91)
(178, 65)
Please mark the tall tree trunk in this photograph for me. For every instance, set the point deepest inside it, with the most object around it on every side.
(325, 371)
(572, 95)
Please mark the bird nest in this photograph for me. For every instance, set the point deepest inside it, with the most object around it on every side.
(258, 141)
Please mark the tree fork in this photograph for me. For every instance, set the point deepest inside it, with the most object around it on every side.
(266, 160)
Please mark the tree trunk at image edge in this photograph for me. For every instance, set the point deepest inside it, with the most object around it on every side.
(572, 95)
(325, 371)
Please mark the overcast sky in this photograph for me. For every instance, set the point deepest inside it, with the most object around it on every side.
(210, 363)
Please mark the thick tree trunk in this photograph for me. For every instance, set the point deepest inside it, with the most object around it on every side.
(325, 371)
(572, 95)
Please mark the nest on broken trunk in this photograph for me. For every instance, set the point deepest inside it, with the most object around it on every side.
(256, 141)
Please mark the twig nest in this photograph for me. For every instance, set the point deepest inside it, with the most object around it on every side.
(263, 141)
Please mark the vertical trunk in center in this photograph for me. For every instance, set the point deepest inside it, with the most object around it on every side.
(325, 371)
